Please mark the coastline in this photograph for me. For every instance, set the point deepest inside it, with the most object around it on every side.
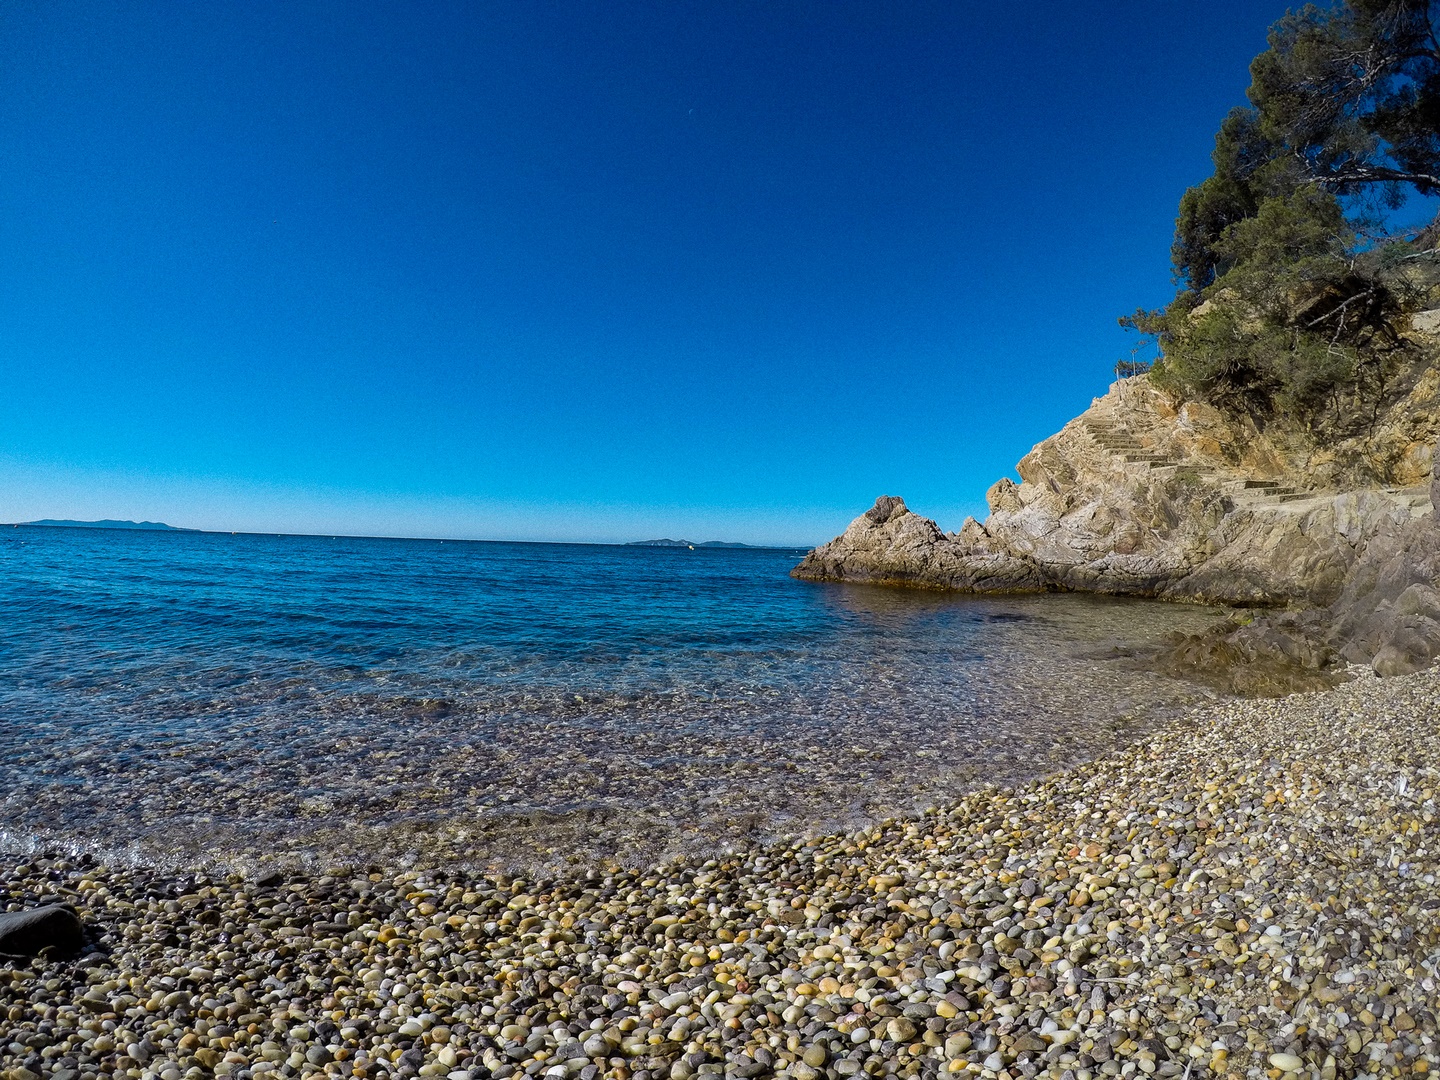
(1251, 891)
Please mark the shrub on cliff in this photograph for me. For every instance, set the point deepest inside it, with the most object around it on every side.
(1290, 291)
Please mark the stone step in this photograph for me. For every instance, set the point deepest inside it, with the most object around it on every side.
(1416, 498)
(1199, 471)
(1258, 487)
(1277, 497)
(1116, 440)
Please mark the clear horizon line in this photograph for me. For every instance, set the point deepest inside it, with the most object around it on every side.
(39, 524)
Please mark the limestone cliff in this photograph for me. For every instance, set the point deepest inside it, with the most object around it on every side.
(1387, 615)
(1144, 495)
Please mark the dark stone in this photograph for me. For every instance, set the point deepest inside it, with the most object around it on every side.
(53, 926)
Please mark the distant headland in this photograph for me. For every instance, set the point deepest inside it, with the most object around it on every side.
(686, 544)
(107, 523)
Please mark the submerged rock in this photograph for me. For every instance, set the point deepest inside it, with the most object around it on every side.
(1269, 656)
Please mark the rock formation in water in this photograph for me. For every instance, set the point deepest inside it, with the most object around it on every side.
(1142, 495)
(1145, 495)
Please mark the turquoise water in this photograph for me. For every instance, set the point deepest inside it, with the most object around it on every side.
(195, 697)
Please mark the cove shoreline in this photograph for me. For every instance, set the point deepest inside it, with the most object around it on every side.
(1249, 891)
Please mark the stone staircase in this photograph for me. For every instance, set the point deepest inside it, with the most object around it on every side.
(1264, 492)
(1114, 437)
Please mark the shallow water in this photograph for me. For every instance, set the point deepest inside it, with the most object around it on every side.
(193, 698)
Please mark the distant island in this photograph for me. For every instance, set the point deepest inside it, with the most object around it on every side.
(685, 544)
(107, 523)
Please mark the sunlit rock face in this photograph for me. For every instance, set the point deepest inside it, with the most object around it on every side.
(1144, 495)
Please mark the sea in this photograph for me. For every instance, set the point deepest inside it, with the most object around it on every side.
(191, 699)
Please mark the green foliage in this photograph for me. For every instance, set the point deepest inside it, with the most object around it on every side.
(1249, 364)
(1244, 175)
(1281, 306)
(1276, 329)
(1291, 238)
(1352, 94)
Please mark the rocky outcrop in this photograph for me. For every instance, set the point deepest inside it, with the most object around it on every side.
(1387, 616)
(1143, 495)
(890, 545)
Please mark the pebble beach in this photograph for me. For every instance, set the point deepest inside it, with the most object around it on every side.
(1250, 891)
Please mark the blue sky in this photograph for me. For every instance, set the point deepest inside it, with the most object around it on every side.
(586, 271)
